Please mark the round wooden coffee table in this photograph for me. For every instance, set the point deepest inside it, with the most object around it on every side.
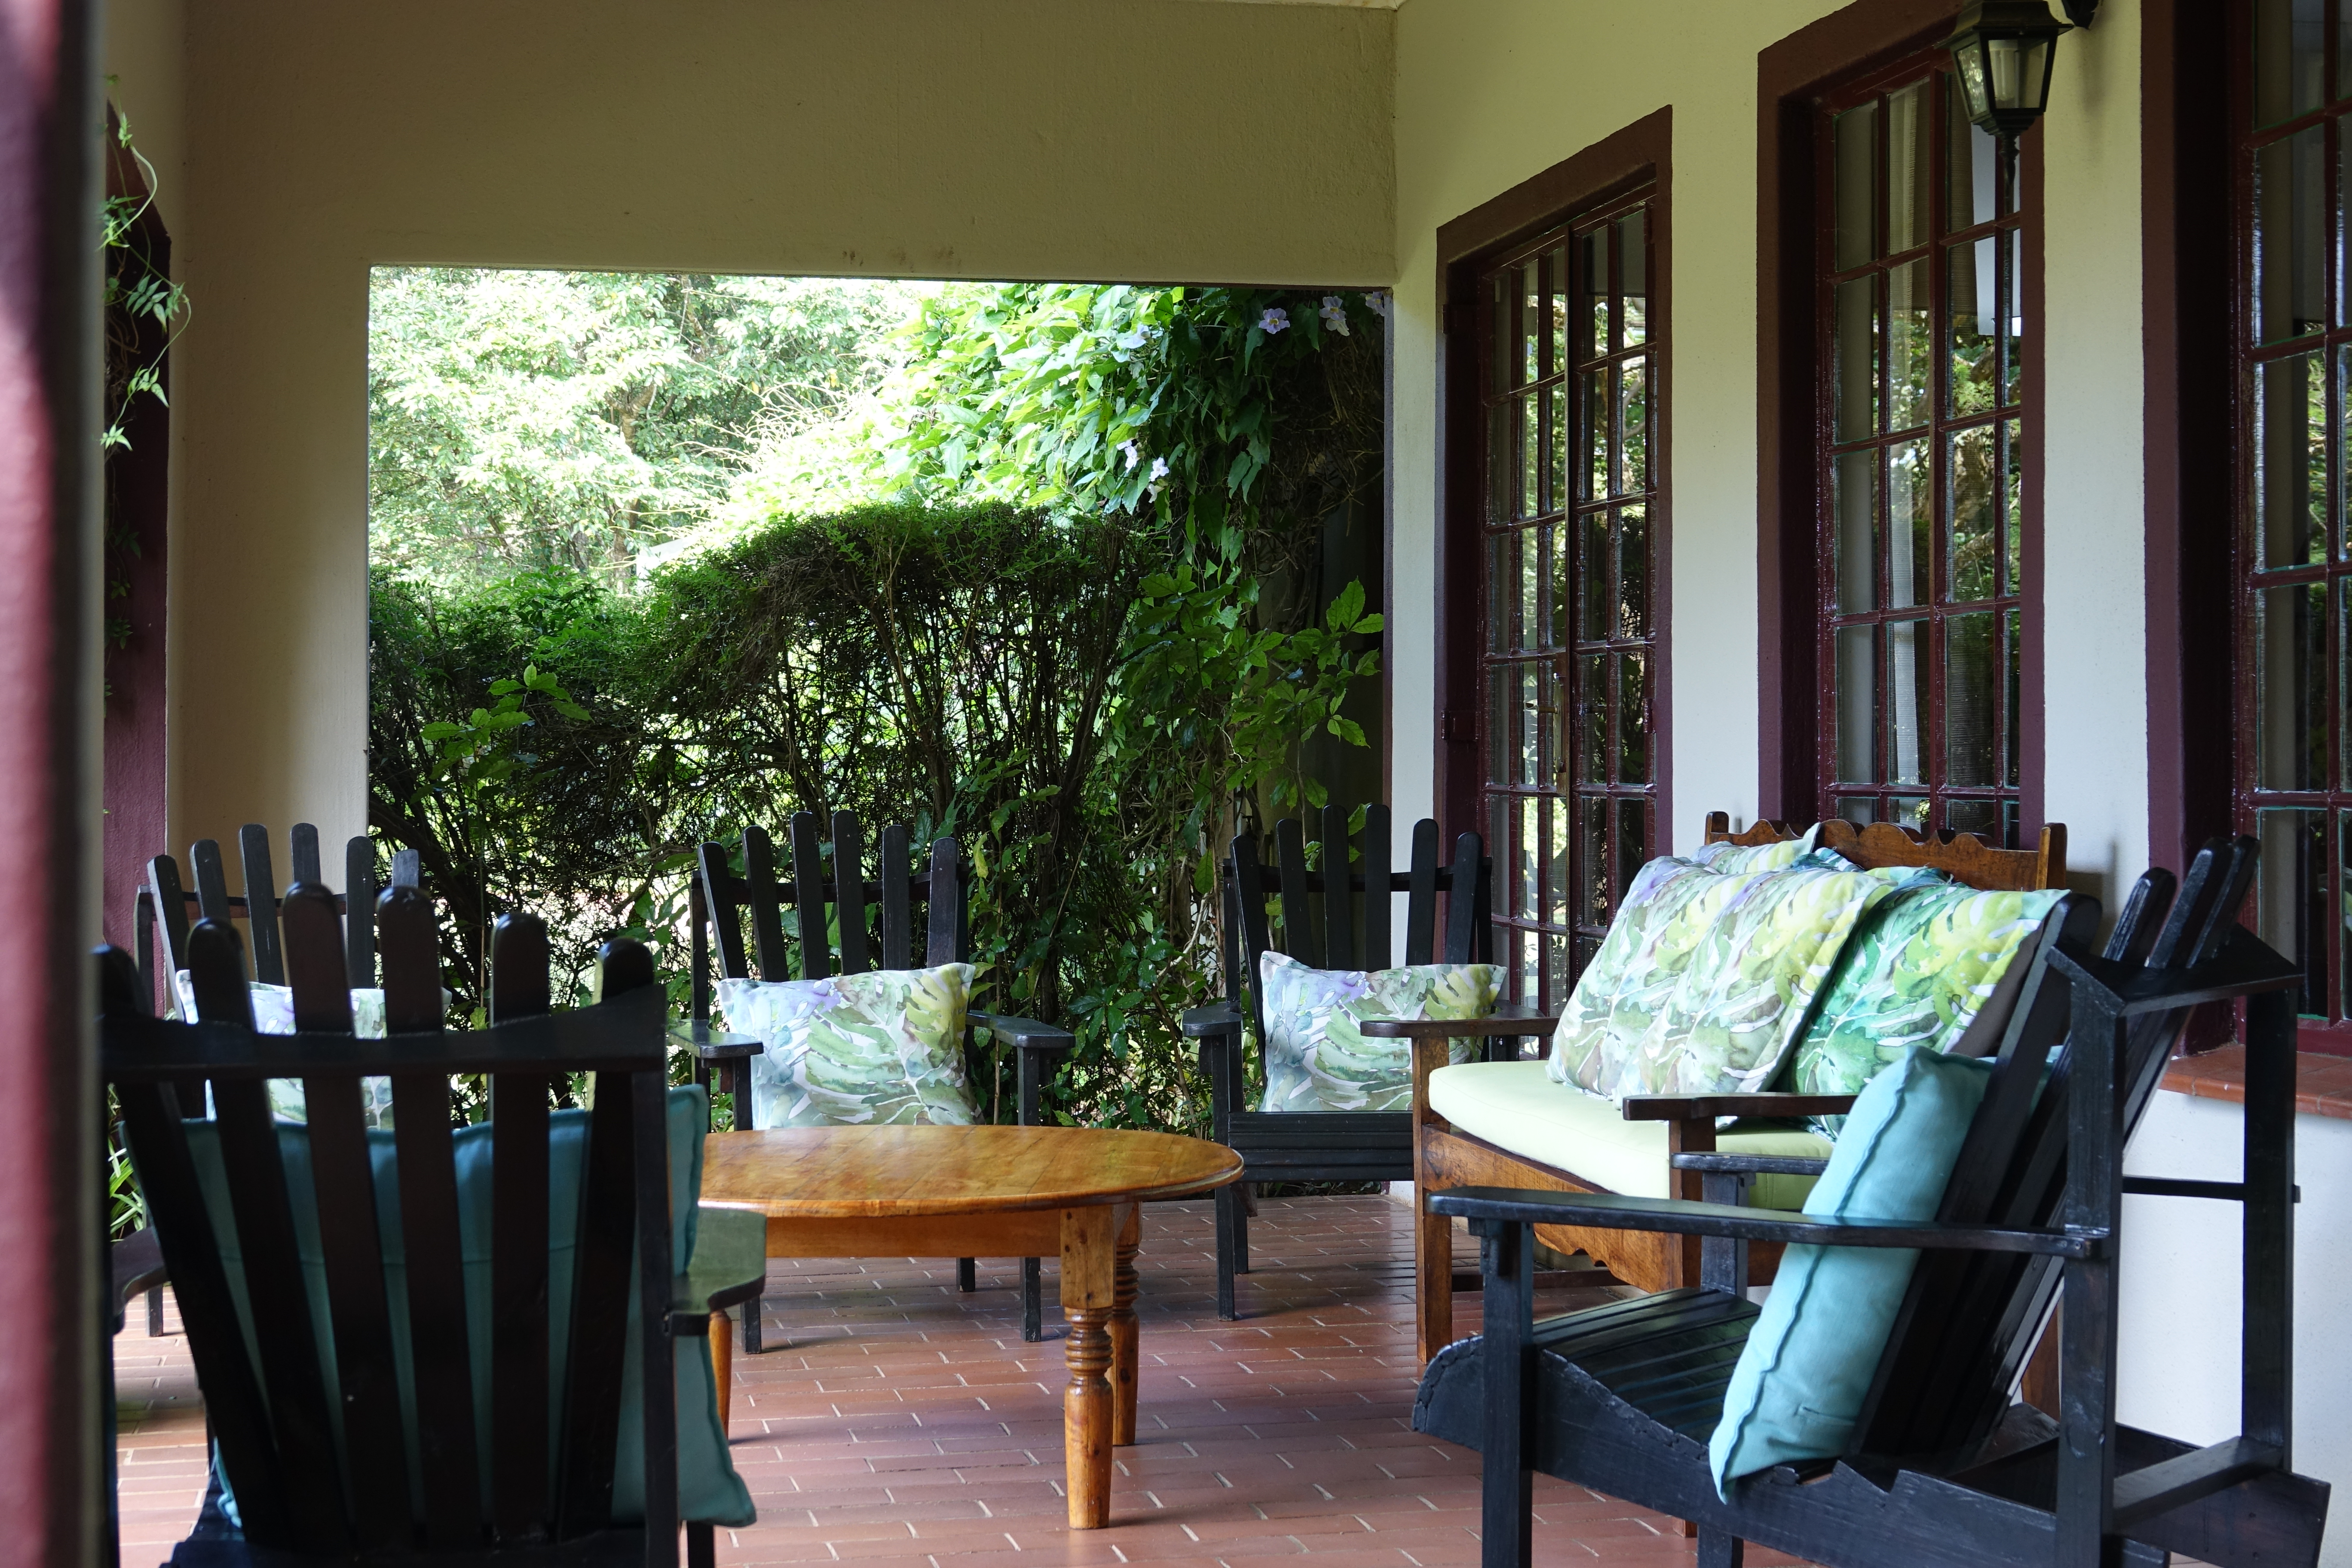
(983, 1191)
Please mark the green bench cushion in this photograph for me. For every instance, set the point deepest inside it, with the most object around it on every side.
(1516, 1106)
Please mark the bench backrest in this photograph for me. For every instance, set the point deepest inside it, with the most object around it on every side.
(1341, 915)
(326, 1472)
(1968, 1320)
(161, 907)
(1962, 856)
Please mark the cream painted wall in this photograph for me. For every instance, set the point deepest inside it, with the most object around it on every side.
(1025, 137)
(142, 48)
(1490, 92)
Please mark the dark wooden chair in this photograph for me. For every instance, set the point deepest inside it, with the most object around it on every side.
(1945, 1470)
(316, 1480)
(721, 901)
(1320, 912)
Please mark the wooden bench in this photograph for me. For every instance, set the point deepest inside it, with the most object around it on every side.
(1448, 1155)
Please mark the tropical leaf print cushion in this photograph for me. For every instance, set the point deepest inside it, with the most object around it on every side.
(1727, 855)
(1914, 978)
(857, 1050)
(1317, 1057)
(1659, 925)
(1746, 992)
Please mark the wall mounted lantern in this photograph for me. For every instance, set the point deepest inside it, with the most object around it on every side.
(2002, 50)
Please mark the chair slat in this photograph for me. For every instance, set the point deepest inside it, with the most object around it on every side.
(448, 1455)
(1300, 937)
(944, 905)
(143, 946)
(599, 1312)
(275, 1291)
(212, 885)
(1421, 896)
(1380, 855)
(351, 1247)
(359, 912)
(897, 903)
(849, 891)
(808, 904)
(1463, 906)
(407, 869)
(519, 1236)
(302, 842)
(261, 904)
(767, 921)
(646, 1097)
(1339, 915)
(726, 912)
(1249, 887)
(171, 911)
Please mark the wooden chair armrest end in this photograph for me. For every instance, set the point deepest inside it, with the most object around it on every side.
(1207, 1022)
(712, 1044)
(1027, 1033)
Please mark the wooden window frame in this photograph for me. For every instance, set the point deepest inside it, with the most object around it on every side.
(1634, 162)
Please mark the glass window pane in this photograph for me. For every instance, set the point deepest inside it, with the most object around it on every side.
(1853, 486)
(1971, 305)
(2291, 471)
(1911, 811)
(1527, 902)
(1975, 159)
(1632, 574)
(1529, 351)
(1907, 182)
(1910, 523)
(1594, 412)
(1972, 677)
(1857, 705)
(2012, 351)
(1633, 843)
(1907, 700)
(1500, 345)
(1557, 444)
(2291, 687)
(1633, 427)
(2012, 504)
(1982, 818)
(1499, 438)
(1498, 723)
(2289, 42)
(1910, 345)
(1552, 630)
(1555, 873)
(1562, 292)
(1529, 447)
(1633, 274)
(1503, 630)
(1592, 594)
(1529, 617)
(1593, 290)
(2014, 658)
(2290, 229)
(1530, 771)
(1592, 719)
(1858, 809)
(1634, 718)
(1857, 358)
(1975, 537)
(1594, 899)
(2291, 896)
(1856, 133)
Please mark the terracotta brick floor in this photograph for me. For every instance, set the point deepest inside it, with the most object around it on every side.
(892, 1421)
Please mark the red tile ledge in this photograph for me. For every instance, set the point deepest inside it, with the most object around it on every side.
(2323, 1085)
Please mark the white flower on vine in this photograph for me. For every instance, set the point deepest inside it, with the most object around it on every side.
(1335, 315)
(1275, 319)
(1159, 469)
(1133, 457)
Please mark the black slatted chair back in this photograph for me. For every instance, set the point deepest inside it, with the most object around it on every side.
(1339, 915)
(159, 915)
(1970, 1319)
(325, 1471)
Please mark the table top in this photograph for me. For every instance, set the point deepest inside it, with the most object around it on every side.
(850, 1172)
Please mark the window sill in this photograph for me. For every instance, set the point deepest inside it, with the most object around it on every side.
(2323, 1085)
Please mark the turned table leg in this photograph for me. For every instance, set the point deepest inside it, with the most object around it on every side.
(722, 1366)
(1122, 1327)
(1089, 1295)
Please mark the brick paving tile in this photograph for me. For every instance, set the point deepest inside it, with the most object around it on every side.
(893, 1421)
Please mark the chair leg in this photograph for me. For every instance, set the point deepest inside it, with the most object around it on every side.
(1033, 1300)
(751, 1325)
(722, 1367)
(967, 1274)
(1244, 1204)
(1432, 1246)
(155, 1312)
(1227, 1213)
(702, 1547)
(1720, 1549)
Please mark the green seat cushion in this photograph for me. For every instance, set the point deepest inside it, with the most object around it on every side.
(1515, 1106)
(857, 1050)
(710, 1491)
(1798, 1387)
(1317, 1057)
(1914, 976)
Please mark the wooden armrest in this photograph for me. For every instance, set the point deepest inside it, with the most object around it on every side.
(1027, 1033)
(1748, 1165)
(1693, 1107)
(1216, 1018)
(713, 1044)
(1608, 1210)
(729, 1266)
(1511, 1020)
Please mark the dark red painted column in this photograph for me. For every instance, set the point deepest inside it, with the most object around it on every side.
(49, 1222)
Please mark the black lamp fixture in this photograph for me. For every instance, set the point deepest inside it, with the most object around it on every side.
(2002, 50)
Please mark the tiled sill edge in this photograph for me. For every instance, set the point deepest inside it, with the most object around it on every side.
(2323, 1085)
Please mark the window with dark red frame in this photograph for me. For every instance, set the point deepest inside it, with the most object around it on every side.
(1921, 428)
(1567, 642)
(2294, 553)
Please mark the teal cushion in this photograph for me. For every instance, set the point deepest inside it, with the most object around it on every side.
(710, 1491)
(1800, 1380)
